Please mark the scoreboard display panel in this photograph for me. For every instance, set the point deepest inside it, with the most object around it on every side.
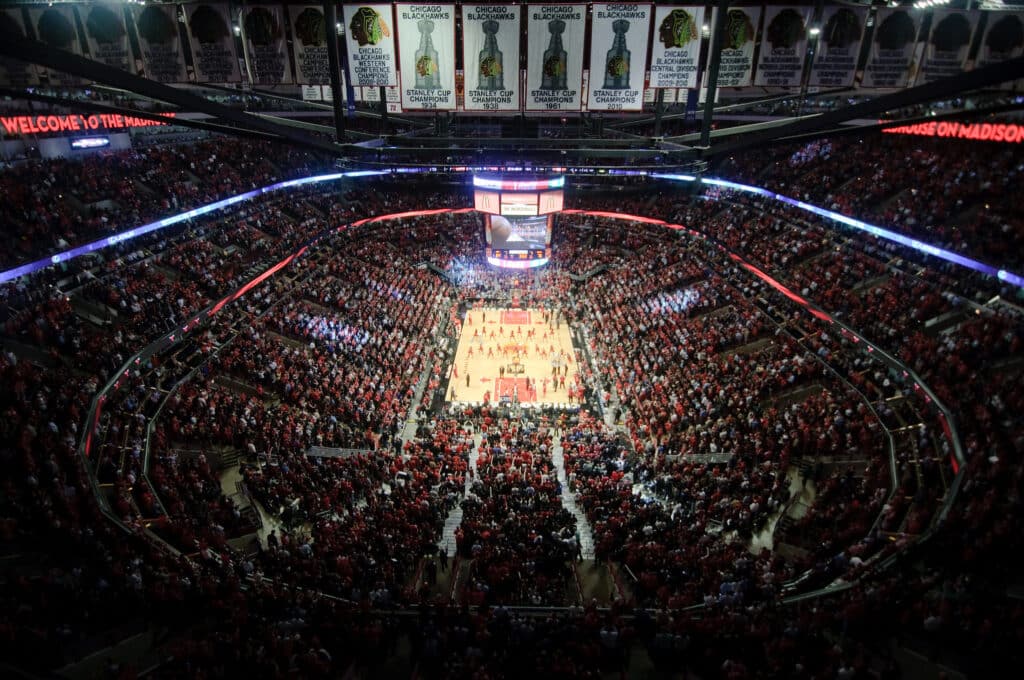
(518, 218)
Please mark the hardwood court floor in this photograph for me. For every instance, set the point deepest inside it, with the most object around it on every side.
(495, 338)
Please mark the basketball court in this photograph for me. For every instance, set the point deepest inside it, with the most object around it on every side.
(512, 355)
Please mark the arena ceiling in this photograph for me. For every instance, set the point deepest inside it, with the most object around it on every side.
(681, 137)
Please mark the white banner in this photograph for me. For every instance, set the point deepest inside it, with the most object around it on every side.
(163, 58)
(107, 35)
(946, 52)
(1002, 39)
(490, 54)
(55, 26)
(835, 59)
(892, 48)
(669, 96)
(783, 46)
(309, 44)
(618, 55)
(554, 58)
(676, 48)
(14, 72)
(371, 45)
(737, 63)
(264, 45)
(426, 44)
(212, 43)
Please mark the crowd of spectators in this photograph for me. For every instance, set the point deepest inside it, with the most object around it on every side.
(521, 540)
(956, 194)
(55, 204)
(718, 390)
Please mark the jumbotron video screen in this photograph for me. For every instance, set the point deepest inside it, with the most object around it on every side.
(518, 216)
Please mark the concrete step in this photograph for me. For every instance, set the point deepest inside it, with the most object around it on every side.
(583, 528)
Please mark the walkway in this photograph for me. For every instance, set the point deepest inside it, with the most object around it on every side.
(454, 519)
(569, 501)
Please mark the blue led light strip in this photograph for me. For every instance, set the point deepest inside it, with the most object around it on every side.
(87, 248)
(920, 246)
(895, 237)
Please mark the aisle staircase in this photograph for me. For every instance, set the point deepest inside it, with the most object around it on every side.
(569, 501)
(454, 519)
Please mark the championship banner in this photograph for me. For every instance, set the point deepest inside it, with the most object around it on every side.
(1003, 38)
(106, 35)
(371, 45)
(618, 55)
(212, 44)
(160, 43)
(264, 46)
(14, 72)
(835, 60)
(892, 48)
(554, 58)
(309, 42)
(490, 54)
(426, 43)
(737, 63)
(676, 48)
(55, 26)
(783, 46)
(948, 44)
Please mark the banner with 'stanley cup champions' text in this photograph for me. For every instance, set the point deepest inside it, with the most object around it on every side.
(490, 53)
(554, 57)
(426, 47)
(618, 54)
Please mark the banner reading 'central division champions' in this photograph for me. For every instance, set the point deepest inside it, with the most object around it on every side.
(676, 46)
(490, 52)
(618, 53)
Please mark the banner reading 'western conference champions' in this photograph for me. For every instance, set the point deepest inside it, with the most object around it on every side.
(618, 54)
(490, 53)
(370, 39)
(426, 45)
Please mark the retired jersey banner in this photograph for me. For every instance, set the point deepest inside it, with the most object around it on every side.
(554, 57)
(163, 59)
(783, 46)
(739, 33)
(946, 50)
(892, 48)
(309, 43)
(835, 60)
(676, 48)
(263, 42)
(490, 54)
(1003, 38)
(618, 55)
(107, 35)
(55, 26)
(370, 39)
(14, 72)
(426, 44)
(212, 43)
